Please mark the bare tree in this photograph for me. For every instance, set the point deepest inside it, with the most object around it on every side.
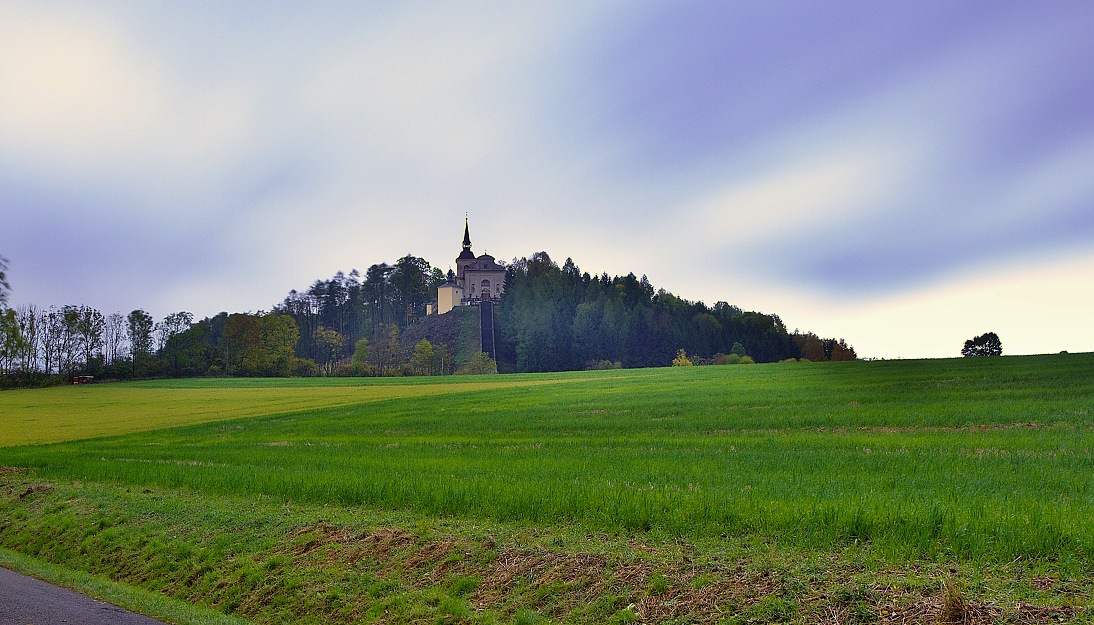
(114, 337)
(30, 321)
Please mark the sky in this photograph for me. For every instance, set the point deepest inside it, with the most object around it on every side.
(904, 175)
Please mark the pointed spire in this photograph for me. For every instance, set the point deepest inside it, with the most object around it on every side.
(466, 235)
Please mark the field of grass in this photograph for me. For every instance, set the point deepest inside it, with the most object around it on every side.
(70, 413)
(839, 478)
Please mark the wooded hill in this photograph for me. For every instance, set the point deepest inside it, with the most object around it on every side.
(551, 318)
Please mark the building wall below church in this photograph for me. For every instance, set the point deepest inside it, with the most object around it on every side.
(472, 284)
(448, 297)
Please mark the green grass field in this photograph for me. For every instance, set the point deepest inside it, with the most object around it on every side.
(856, 469)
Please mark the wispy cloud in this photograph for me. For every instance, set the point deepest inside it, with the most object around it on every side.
(207, 156)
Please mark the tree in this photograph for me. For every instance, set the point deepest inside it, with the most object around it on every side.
(172, 326)
(5, 288)
(11, 340)
(681, 359)
(279, 335)
(114, 337)
(480, 363)
(240, 342)
(89, 327)
(30, 318)
(443, 357)
(385, 348)
(360, 352)
(139, 326)
(328, 344)
(987, 344)
(424, 357)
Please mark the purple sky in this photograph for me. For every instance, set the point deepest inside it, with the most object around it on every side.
(903, 175)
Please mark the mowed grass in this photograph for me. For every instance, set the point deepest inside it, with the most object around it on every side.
(979, 459)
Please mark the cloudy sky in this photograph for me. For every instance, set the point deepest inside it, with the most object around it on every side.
(903, 175)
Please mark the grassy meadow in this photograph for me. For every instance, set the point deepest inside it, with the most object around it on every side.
(839, 479)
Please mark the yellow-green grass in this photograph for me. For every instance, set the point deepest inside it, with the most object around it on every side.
(50, 415)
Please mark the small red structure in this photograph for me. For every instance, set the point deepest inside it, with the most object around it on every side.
(83, 379)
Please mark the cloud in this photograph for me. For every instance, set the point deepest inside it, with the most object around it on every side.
(83, 101)
(212, 157)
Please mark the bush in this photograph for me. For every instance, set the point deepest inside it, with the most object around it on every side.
(682, 359)
(601, 365)
(734, 359)
(480, 363)
(305, 368)
(355, 369)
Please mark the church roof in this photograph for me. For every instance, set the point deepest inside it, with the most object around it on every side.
(486, 262)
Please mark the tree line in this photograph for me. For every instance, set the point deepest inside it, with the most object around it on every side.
(350, 324)
(551, 318)
(555, 318)
(346, 325)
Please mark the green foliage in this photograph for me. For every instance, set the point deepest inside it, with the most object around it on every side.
(12, 342)
(480, 363)
(360, 352)
(987, 344)
(386, 355)
(681, 359)
(328, 345)
(257, 345)
(556, 319)
(424, 358)
(356, 308)
(139, 325)
(732, 359)
(305, 368)
(604, 365)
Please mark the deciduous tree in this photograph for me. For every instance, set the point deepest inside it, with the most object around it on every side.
(424, 357)
(11, 340)
(360, 352)
(681, 359)
(139, 327)
(987, 344)
(88, 327)
(114, 335)
(328, 344)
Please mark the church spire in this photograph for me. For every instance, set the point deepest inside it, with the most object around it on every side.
(466, 254)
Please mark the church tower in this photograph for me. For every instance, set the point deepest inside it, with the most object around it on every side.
(467, 257)
(477, 278)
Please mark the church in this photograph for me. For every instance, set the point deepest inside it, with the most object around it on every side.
(476, 279)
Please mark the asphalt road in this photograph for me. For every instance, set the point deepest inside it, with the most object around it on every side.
(28, 601)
